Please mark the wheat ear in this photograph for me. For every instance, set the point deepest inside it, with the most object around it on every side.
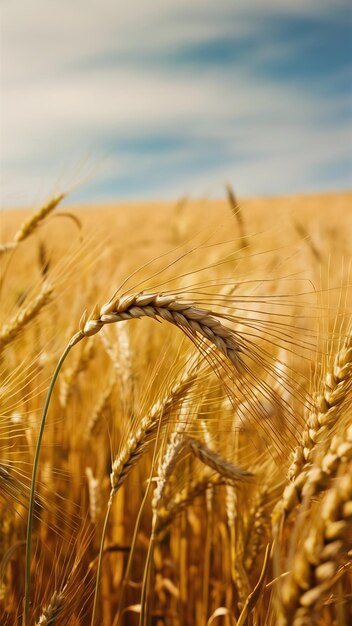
(10, 330)
(94, 492)
(5, 247)
(32, 222)
(226, 474)
(319, 424)
(51, 612)
(184, 498)
(326, 547)
(323, 417)
(257, 525)
(177, 444)
(69, 376)
(327, 465)
(166, 467)
(216, 462)
(148, 428)
(194, 321)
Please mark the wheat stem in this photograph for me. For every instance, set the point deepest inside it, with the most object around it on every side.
(26, 601)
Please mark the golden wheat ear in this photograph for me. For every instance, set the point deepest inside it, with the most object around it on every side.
(325, 548)
(27, 228)
(168, 307)
(30, 224)
(25, 315)
(305, 474)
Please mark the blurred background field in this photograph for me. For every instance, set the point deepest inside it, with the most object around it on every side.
(277, 272)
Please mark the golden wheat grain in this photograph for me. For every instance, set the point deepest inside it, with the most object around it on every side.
(205, 563)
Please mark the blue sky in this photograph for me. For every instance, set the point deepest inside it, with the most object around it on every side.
(161, 99)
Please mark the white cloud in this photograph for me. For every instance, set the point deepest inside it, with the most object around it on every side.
(57, 107)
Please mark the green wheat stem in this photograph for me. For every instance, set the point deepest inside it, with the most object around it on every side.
(26, 601)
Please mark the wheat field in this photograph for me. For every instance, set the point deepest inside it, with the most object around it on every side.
(192, 464)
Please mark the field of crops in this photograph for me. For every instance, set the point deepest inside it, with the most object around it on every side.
(194, 464)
